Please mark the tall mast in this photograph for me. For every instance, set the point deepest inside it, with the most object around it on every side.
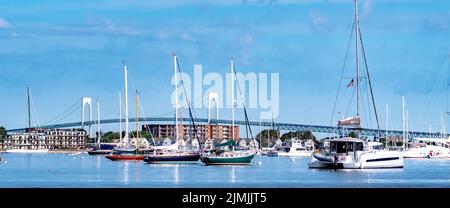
(137, 123)
(126, 106)
(232, 99)
(29, 109)
(176, 97)
(120, 117)
(387, 120)
(98, 122)
(404, 121)
(443, 130)
(357, 56)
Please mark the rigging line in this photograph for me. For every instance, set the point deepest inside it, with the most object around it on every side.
(187, 99)
(61, 114)
(364, 110)
(368, 104)
(349, 103)
(34, 110)
(247, 123)
(425, 111)
(370, 84)
(145, 118)
(342, 74)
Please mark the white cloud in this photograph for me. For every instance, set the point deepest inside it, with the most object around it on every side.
(367, 7)
(186, 37)
(4, 23)
(317, 20)
(247, 40)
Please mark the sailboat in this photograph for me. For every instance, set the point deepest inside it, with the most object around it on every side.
(127, 153)
(29, 133)
(99, 149)
(220, 155)
(355, 153)
(172, 153)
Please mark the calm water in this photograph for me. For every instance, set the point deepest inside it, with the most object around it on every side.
(59, 170)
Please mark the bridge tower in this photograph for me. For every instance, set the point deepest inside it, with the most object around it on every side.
(86, 101)
(213, 96)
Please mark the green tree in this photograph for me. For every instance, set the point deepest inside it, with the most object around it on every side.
(110, 136)
(3, 133)
(353, 134)
(263, 136)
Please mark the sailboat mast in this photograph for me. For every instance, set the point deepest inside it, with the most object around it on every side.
(404, 121)
(387, 120)
(29, 109)
(126, 106)
(120, 117)
(357, 56)
(137, 123)
(98, 122)
(176, 97)
(232, 99)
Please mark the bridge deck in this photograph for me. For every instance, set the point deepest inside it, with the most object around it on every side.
(281, 126)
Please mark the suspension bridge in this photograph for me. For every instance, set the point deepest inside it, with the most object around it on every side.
(281, 126)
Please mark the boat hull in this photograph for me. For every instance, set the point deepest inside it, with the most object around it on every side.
(99, 152)
(373, 160)
(188, 158)
(125, 157)
(217, 160)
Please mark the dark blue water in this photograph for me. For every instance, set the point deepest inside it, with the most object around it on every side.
(59, 170)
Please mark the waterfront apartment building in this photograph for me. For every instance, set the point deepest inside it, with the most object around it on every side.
(40, 138)
(206, 131)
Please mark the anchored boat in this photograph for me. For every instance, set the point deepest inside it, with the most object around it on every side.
(221, 155)
(292, 148)
(350, 152)
(128, 153)
(172, 153)
(433, 148)
(354, 153)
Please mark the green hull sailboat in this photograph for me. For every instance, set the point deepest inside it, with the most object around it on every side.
(228, 158)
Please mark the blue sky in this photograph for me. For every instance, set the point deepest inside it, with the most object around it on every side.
(66, 50)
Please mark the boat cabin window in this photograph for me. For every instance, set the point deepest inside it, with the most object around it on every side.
(359, 146)
(333, 146)
(341, 147)
(377, 147)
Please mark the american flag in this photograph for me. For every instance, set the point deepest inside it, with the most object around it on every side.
(351, 83)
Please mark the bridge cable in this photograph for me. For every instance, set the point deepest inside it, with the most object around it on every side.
(64, 112)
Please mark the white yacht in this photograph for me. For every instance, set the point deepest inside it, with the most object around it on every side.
(428, 148)
(293, 148)
(354, 153)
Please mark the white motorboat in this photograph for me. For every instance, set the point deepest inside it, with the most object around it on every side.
(354, 153)
(292, 148)
(74, 154)
(27, 151)
(428, 148)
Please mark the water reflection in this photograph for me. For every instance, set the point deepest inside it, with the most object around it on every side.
(125, 172)
(97, 164)
(233, 174)
(176, 174)
(136, 171)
